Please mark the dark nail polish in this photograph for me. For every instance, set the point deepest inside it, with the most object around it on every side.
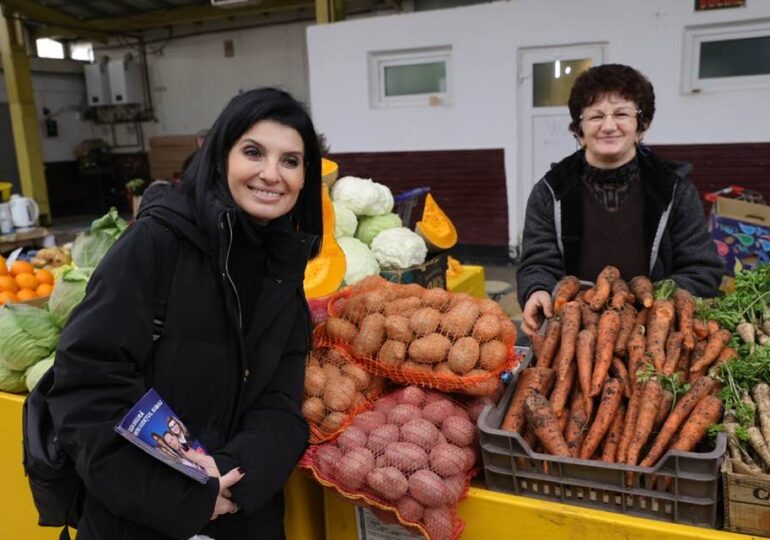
(240, 470)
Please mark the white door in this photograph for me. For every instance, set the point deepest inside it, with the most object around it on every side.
(546, 75)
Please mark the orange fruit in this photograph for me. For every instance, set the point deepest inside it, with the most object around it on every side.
(21, 267)
(8, 284)
(44, 289)
(26, 294)
(7, 297)
(44, 276)
(3, 267)
(27, 281)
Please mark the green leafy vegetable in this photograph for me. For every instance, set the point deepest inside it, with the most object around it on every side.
(748, 301)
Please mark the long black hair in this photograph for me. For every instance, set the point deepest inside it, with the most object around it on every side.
(207, 170)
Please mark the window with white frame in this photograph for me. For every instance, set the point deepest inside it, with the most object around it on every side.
(727, 56)
(82, 51)
(49, 48)
(414, 77)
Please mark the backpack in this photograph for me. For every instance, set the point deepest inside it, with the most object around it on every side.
(57, 490)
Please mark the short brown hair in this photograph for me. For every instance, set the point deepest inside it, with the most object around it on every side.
(608, 79)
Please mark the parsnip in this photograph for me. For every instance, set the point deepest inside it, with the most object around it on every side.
(761, 395)
(758, 444)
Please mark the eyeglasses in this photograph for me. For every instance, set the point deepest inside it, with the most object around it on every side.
(621, 116)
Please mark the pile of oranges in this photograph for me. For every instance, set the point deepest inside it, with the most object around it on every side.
(22, 282)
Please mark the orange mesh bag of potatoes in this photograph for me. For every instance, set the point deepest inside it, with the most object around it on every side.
(411, 456)
(452, 342)
(335, 390)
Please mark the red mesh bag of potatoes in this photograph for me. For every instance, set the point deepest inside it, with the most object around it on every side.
(412, 455)
(452, 342)
(335, 390)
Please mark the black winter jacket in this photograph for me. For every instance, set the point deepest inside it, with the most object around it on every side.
(238, 391)
(674, 229)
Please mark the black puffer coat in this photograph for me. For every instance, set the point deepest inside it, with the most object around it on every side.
(238, 391)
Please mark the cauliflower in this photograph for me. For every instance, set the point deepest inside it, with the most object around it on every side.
(345, 221)
(362, 196)
(371, 226)
(399, 248)
(360, 260)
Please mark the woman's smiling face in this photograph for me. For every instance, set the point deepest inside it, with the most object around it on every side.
(610, 131)
(266, 170)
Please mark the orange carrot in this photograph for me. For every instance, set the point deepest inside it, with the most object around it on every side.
(707, 412)
(628, 428)
(627, 322)
(685, 307)
(641, 318)
(660, 319)
(609, 453)
(700, 389)
(589, 318)
(586, 344)
(620, 371)
(536, 379)
(664, 409)
(716, 342)
(636, 345)
(561, 389)
(699, 329)
(673, 352)
(541, 417)
(537, 342)
(642, 288)
(566, 290)
(727, 354)
(576, 427)
(612, 394)
(683, 366)
(588, 297)
(552, 335)
(648, 409)
(621, 294)
(712, 326)
(570, 326)
(609, 326)
(603, 287)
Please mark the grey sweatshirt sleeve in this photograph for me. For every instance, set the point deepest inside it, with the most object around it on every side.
(696, 265)
(541, 264)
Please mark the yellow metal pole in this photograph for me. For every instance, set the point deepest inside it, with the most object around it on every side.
(323, 11)
(21, 100)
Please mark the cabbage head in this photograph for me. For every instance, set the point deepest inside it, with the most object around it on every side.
(27, 334)
(69, 292)
(371, 226)
(345, 221)
(36, 371)
(360, 261)
(110, 223)
(89, 247)
(399, 248)
(363, 196)
(11, 381)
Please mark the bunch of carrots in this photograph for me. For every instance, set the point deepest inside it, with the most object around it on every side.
(621, 373)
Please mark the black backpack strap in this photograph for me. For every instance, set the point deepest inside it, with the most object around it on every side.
(170, 254)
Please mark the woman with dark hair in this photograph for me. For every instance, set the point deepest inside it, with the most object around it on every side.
(613, 202)
(228, 355)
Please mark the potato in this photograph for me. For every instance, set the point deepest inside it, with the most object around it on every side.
(507, 331)
(424, 321)
(359, 400)
(341, 329)
(427, 488)
(369, 420)
(493, 355)
(387, 482)
(352, 468)
(436, 298)
(331, 371)
(456, 298)
(463, 355)
(409, 289)
(336, 358)
(326, 458)
(471, 457)
(431, 396)
(438, 523)
(352, 437)
(413, 395)
(315, 378)
(392, 353)
(382, 436)
(458, 430)
(403, 306)
(407, 457)
(442, 369)
(447, 460)
(385, 404)
(402, 413)
(420, 432)
(429, 349)
(338, 393)
(487, 327)
(314, 410)
(359, 306)
(459, 320)
(359, 376)
(333, 422)
(456, 486)
(397, 328)
(489, 306)
(484, 383)
(415, 369)
(377, 386)
(408, 508)
(370, 336)
(436, 411)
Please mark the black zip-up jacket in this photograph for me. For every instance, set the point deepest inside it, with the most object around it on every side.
(239, 391)
(675, 233)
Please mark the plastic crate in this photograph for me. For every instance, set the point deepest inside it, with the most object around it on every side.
(511, 466)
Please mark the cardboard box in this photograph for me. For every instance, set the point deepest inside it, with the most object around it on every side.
(747, 501)
(741, 232)
(168, 153)
(430, 274)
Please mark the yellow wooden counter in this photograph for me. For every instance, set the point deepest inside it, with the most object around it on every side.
(498, 516)
(18, 518)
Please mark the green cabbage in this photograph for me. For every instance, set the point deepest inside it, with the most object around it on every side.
(345, 221)
(69, 292)
(27, 334)
(89, 246)
(371, 226)
(11, 381)
(360, 262)
(36, 371)
(110, 223)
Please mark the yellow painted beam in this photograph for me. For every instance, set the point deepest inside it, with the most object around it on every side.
(42, 14)
(329, 11)
(56, 32)
(21, 100)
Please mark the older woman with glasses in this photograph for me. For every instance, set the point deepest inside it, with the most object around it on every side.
(613, 202)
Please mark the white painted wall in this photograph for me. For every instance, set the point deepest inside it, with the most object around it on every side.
(485, 39)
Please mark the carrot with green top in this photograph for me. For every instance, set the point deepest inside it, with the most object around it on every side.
(716, 342)
(727, 354)
(544, 422)
(607, 335)
(551, 343)
(648, 409)
(685, 308)
(642, 288)
(612, 439)
(612, 393)
(603, 287)
(586, 343)
(566, 290)
(627, 321)
(660, 320)
(673, 352)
